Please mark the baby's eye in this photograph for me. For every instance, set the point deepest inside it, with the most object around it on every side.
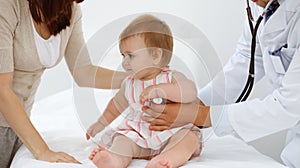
(123, 55)
(130, 56)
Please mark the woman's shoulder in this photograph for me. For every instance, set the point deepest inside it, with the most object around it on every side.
(77, 13)
(14, 5)
(10, 9)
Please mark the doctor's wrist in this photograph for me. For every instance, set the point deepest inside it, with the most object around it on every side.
(203, 117)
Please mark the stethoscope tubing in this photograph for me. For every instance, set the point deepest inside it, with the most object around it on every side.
(250, 80)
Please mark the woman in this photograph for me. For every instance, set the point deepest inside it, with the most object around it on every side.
(34, 36)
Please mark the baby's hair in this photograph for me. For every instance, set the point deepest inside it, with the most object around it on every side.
(156, 34)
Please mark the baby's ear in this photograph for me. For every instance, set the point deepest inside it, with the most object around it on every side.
(156, 55)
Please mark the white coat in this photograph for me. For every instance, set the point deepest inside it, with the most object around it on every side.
(280, 109)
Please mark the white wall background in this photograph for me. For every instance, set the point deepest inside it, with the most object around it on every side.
(221, 23)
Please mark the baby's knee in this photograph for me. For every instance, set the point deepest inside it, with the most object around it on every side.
(185, 135)
(193, 138)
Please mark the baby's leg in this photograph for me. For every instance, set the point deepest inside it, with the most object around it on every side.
(179, 149)
(119, 154)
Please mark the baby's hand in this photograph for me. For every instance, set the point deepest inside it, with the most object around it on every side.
(151, 92)
(94, 129)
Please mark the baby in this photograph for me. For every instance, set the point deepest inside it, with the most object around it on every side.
(146, 45)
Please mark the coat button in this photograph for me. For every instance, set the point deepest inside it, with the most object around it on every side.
(29, 87)
(223, 133)
(25, 99)
(43, 68)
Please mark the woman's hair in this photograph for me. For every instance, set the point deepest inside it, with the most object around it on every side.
(156, 34)
(56, 14)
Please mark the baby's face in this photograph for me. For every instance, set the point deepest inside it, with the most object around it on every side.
(136, 58)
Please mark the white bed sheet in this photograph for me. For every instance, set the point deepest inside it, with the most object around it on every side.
(55, 118)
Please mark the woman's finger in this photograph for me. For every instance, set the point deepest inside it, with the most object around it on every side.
(67, 159)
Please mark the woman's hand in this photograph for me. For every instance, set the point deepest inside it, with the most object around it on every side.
(162, 117)
(51, 156)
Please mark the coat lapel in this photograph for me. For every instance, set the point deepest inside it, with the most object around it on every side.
(277, 21)
(281, 17)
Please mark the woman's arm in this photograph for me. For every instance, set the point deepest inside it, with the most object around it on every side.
(16, 117)
(98, 77)
(78, 60)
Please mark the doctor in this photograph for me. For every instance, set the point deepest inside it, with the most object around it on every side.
(277, 57)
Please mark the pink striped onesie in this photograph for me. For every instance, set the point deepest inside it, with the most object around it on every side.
(133, 127)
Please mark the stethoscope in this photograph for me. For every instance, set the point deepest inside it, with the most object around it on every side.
(250, 81)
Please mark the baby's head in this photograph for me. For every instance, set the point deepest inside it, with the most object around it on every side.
(146, 36)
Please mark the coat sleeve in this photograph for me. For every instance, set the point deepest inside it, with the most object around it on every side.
(8, 24)
(280, 109)
(276, 112)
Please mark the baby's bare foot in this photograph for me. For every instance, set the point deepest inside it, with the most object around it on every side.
(162, 163)
(94, 152)
(105, 159)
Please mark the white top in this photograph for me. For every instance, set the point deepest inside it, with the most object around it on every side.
(48, 49)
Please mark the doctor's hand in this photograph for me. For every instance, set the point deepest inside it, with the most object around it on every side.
(58, 157)
(151, 92)
(162, 117)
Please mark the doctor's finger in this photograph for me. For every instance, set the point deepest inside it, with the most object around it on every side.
(159, 122)
(155, 107)
(147, 118)
(152, 113)
(159, 128)
(155, 120)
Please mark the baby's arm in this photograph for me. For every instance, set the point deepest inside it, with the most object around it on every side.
(114, 108)
(181, 89)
